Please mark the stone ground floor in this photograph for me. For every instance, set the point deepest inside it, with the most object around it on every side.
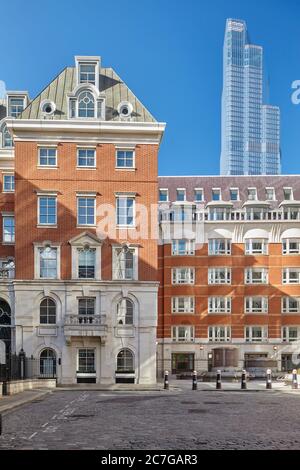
(255, 358)
(175, 419)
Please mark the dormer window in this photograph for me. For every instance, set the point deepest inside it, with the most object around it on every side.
(15, 106)
(7, 141)
(87, 73)
(180, 194)
(216, 194)
(252, 194)
(288, 194)
(87, 70)
(86, 105)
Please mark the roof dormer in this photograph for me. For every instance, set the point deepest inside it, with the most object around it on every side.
(87, 70)
(16, 102)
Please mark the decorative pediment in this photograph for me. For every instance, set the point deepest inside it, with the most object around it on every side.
(85, 239)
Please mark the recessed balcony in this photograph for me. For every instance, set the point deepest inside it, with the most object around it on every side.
(85, 325)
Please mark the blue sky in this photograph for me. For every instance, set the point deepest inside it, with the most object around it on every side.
(169, 52)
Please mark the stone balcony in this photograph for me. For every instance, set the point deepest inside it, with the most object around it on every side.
(85, 325)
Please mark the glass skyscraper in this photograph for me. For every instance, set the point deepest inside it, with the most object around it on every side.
(250, 129)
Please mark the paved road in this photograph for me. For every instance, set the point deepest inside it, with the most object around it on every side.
(156, 420)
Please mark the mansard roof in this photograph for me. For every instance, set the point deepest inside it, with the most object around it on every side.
(110, 84)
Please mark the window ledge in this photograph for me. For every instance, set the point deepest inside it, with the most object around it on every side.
(119, 168)
(46, 226)
(47, 167)
(86, 225)
(86, 167)
(8, 243)
(121, 227)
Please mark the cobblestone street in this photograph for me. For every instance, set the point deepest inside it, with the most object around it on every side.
(156, 420)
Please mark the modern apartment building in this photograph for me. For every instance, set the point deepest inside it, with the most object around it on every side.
(250, 129)
(78, 287)
(229, 264)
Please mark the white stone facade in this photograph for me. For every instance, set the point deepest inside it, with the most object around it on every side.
(106, 338)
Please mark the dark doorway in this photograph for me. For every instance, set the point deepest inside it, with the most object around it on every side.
(182, 362)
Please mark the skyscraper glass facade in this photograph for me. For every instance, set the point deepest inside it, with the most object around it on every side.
(250, 129)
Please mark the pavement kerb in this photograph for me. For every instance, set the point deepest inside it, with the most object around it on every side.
(17, 400)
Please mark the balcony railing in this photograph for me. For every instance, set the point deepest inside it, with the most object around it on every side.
(85, 325)
(85, 320)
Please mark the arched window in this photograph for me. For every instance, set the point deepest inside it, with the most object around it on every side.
(125, 361)
(48, 363)
(86, 105)
(125, 312)
(6, 138)
(48, 311)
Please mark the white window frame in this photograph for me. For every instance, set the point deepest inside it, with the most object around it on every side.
(86, 196)
(189, 247)
(167, 193)
(214, 336)
(285, 333)
(126, 196)
(184, 192)
(8, 242)
(238, 194)
(286, 250)
(10, 175)
(214, 250)
(43, 196)
(45, 165)
(18, 97)
(82, 167)
(37, 248)
(285, 307)
(250, 250)
(288, 188)
(249, 304)
(252, 198)
(216, 191)
(286, 275)
(200, 190)
(189, 334)
(135, 274)
(249, 275)
(214, 304)
(250, 338)
(273, 194)
(124, 149)
(188, 304)
(178, 280)
(214, 276)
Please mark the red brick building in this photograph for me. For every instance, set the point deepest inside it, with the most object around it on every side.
(83, 160)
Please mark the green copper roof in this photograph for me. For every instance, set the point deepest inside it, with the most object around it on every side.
(109, 83)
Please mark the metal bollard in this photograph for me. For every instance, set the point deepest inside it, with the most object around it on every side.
(219, 382)
(195, 385)
(244, 381)
(166, 381)
(269, 379)
(295, 380)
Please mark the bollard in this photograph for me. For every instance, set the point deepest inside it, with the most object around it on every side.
(244, 381)
(295, 380)
(219, 382)
(269, 379)
(0, 424)
(194, 380)
(166, 382)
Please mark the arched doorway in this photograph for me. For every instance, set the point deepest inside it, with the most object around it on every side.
(48, 363)
(125, 372)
